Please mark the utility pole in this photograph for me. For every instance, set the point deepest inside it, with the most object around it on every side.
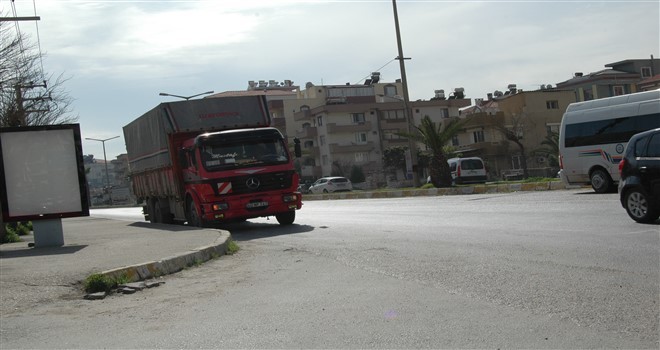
(406, 99)
(19, 119)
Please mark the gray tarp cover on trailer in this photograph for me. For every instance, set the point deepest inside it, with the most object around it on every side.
(147, 136)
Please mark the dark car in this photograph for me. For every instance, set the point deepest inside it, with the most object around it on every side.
(639, 187)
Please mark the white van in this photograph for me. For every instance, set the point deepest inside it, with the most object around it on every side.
(467, 170)
(594, 133)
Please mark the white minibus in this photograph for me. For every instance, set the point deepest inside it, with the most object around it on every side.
(594, 134)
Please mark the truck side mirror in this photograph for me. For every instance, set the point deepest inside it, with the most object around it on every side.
(296, 147)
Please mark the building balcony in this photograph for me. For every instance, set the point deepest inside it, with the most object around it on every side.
(302, 115)
(334, 128)
(352, 148)
(482, 147)
(400, 124)
(307, 133)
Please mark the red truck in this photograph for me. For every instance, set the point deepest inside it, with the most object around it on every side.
(212, 161)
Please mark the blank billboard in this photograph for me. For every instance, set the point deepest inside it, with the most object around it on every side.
(43, 176)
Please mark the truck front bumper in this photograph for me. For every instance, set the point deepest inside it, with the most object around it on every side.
(251, 206)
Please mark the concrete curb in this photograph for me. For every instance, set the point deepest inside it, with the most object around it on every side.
(172, 264)
(458, 190)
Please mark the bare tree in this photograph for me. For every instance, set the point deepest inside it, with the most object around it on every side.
(514, 134)
(27, 95)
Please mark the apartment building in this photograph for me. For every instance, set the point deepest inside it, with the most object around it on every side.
(618, 78)
(343, 126)
(532, 115)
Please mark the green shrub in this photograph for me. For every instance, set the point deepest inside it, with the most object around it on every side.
(11, 237)
(357, 175)
(22, 229)
(232, 247)
(98, 283)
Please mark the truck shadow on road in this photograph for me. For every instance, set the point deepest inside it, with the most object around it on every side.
(247, 231)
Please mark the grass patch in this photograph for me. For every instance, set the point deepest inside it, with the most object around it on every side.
(101, 283)
(232, 248)
(98, 283)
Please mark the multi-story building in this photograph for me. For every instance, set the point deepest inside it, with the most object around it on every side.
(343, 126)
(618, 78)
(276, 93)
(531, 115)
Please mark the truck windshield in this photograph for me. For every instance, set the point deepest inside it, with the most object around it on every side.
(245, 154)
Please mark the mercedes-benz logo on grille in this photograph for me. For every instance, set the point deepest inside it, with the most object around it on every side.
(252, 183)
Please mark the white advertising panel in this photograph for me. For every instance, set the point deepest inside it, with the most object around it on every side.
(42, 173)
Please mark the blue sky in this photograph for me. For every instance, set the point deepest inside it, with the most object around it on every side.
(120, 54)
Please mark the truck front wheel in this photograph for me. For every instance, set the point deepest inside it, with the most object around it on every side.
(194, 218)
(286, 218)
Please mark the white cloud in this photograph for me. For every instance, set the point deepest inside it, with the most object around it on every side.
(122, 53)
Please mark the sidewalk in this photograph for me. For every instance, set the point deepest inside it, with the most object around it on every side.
(139, 250)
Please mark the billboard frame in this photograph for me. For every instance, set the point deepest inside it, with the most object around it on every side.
(78, 172)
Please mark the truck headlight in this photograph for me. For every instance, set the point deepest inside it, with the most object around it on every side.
(289, 198)
(220, 206)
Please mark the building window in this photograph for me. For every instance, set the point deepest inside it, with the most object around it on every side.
(444, 113)
(322, 140)
(392, 134)
(588, 95)
(516, 162)
(395, 114)
(361, 157)
(554, 104)
(361, 137)
(478, 136)
(390, 90)
(617, 90)
(319, 120)
(309, 144)
(358, 118)
(552, 128)
(454, 140)
(646, 72)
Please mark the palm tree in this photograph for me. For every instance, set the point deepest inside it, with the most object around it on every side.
(435, 139)
(551, 149)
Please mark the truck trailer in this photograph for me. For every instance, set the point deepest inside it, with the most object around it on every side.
(211, 161)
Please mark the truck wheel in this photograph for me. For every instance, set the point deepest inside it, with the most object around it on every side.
(286, 218)
(161, 216)
(153, 215)
(639, 207)
(194, 219)
(600, 181)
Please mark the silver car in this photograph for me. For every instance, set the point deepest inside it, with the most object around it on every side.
(331, 184)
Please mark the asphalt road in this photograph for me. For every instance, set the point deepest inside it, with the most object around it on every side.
(560, 269)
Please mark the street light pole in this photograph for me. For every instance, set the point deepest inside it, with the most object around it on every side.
(105, 159)
(185, 97)
(406, 98)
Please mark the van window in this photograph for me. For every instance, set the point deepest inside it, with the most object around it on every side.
(471, 164)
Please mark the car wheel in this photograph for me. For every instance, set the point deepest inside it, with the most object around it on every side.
(600, 181)
(639, 206)
(286, 218)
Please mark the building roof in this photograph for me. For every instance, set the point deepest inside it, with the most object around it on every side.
(253, 93)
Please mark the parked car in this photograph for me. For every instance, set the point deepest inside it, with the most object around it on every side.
(467, 170)
(639, 187)
(331, 184)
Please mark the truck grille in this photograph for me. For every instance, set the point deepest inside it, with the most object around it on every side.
(261, 182)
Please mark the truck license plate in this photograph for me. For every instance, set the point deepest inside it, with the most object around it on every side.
(252, 205)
